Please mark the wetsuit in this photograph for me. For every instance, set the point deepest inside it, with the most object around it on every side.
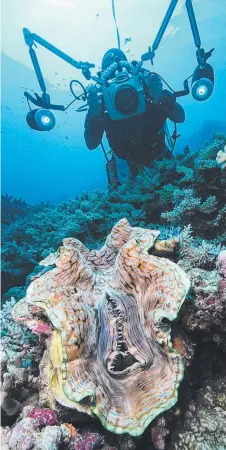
(139, 139)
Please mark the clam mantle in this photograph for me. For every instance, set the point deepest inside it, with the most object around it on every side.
(110, 353)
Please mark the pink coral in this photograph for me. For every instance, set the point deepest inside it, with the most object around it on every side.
(39, 327)
(45, 416)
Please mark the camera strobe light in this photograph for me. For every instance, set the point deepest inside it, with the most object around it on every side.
(202, 82)
(41, 119)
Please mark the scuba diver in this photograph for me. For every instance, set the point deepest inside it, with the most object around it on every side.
(127, 101)
(139, 139)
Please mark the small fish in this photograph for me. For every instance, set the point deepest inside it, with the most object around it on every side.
(128, 39)
(127, 50)
(97, 14)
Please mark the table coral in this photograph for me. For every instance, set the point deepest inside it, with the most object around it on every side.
(110, 353)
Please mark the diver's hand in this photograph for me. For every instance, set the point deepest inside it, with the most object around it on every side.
(167, 99)
(94, 103)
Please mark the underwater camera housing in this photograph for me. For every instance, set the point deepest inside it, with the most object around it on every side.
(124, 96)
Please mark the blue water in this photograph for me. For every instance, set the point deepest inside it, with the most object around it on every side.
(56, 165)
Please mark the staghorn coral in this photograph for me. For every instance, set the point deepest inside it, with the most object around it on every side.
(110, 353)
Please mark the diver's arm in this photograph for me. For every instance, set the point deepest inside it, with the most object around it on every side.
(176, 114)
(94, 130)
(174, 110)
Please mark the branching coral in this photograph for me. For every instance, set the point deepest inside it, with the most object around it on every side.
(189, 190)
(110, 352)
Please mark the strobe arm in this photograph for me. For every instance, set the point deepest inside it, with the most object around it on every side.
(151, 53)
(201, 55)
(44, 100)
(31, 38)
(42, 119)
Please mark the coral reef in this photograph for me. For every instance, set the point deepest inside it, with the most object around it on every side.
(94, 313)
(200, 326)
(188, 190)
(206, 312)
(44, 416)
(205, 420)
(159, 433)
(108, 309)
(221, 158)
(19, 359)
(222, 274)
(12, 209)
(28, 433)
